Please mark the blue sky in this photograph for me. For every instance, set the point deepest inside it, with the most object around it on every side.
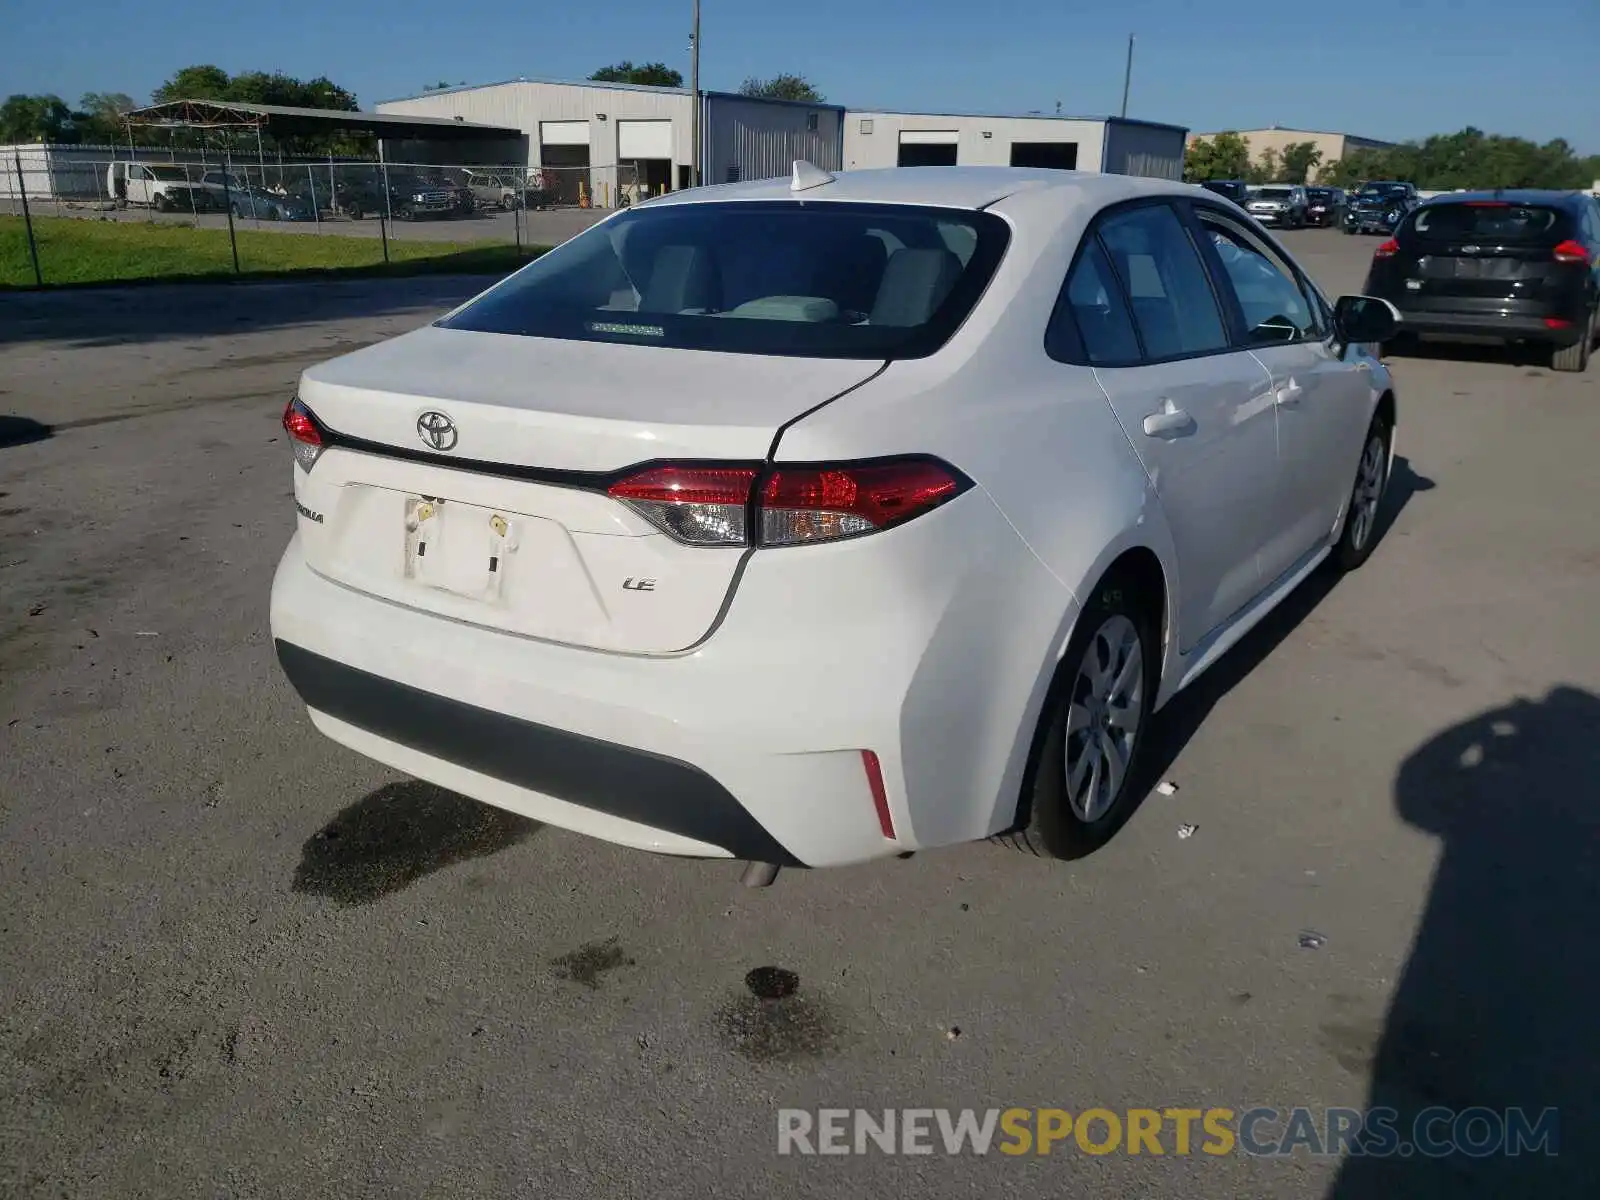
(1411, 67)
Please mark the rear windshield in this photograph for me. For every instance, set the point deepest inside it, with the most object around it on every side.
(1487, 222)
(1382, 189)
(1274, 193)
(1319, 193)
(814, 279)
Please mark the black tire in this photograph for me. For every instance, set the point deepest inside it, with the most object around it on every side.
(354, 212)
(1576, 356)
(162, 204)
(1048, 826)
(507, 203)
(237, 215)
(1360, 533)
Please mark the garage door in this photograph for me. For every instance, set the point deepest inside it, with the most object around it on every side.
(927, 148)
(644, 139)
(564, 133)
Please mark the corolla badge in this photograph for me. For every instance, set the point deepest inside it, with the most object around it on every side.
(437, 430)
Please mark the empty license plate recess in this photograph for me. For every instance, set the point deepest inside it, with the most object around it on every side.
(457, 547)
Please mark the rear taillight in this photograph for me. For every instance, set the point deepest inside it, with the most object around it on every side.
(305, 435)
(742, 505)
(1571, 251)
(701, 506)
(1388, 250)
(818, 504)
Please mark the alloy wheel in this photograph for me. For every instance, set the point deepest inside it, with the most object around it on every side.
(1368, 492)
(1103, 717)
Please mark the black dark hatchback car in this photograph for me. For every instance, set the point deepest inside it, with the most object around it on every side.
(1514, 266)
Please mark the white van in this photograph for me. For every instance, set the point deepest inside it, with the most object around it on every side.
(165, 187)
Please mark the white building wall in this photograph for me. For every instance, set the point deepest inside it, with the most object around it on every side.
(524, 104)
(881, 146)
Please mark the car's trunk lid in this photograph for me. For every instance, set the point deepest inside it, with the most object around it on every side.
(1487, 251)
(508, 524)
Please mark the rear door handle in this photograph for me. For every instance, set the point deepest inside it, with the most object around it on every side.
(1290, 393)
(1169, 422)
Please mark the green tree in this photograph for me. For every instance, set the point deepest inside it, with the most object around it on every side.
(1299, 159)
(36, 119)
(655, 74)
(1226, 156)
(781, 87)
(101, 114)
(1268, 168)
(193, 83)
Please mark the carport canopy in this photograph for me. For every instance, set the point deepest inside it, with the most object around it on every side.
(300, 122)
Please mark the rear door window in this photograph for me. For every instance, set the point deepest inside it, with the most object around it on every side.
(1173, 305)
(1091, 320)
(1489, 222)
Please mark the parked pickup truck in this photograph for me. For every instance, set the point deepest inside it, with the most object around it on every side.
(165, 187)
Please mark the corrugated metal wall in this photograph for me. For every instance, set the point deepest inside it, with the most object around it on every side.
(1154, 151)
(759, 139)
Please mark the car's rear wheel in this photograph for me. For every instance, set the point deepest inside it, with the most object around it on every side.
(1360, 531)
(1576, 356)
(163, 204)
(1087, 748)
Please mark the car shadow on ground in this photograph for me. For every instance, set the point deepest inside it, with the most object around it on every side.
(22, 431)
(1178, 722)
(1512, 355)
(393, 836)
(1494, 1010)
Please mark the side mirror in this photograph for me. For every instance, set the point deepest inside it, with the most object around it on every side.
(1365, 319)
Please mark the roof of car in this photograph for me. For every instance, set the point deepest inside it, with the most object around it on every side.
(947, 187)
(1545, 196)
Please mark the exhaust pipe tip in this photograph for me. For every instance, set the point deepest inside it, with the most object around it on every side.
(758, 874)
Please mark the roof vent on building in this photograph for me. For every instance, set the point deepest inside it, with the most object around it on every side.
(807, 176)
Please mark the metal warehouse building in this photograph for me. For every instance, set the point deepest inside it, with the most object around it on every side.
(1114, 145)
(602, 135)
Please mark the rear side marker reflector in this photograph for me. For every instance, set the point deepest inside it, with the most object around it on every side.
(880, 796)
(1557, 323)
(742, 505)
(1388, 250)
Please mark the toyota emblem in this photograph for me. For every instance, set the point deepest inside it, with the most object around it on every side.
(437, 430)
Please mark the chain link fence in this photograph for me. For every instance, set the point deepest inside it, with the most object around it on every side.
(73, 215)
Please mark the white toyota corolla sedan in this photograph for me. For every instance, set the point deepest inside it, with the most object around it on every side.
(807, 521)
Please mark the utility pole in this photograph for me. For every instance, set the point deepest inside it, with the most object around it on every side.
(694, 87)
(1127, 75)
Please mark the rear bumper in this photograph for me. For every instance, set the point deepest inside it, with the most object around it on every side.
(931, 650)
(630, 785)
(1509, 326)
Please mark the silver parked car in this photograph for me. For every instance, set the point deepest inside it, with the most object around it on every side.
(1282, 204)
(251, 202)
